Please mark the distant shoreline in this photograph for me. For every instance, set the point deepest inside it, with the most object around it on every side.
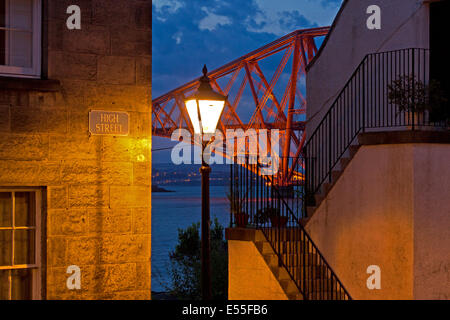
(155, 188)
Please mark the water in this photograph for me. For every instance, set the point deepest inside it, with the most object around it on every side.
(179, 209)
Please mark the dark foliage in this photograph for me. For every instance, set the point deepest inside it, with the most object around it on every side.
(410, 94)
(185, 264)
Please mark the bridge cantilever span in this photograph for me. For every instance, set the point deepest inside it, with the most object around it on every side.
(287, 104)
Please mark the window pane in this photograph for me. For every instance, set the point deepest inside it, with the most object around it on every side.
(5, 247)
(21, 44)
(24, 209)
(21, 14)
(3, 32)
(4, 284)
(24, 247)
(5, 209)
(2, 13)
(2, 47)
(21, 281)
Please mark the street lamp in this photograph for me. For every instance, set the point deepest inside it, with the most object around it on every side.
(205, 108)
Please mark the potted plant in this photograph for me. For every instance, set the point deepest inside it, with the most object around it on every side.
(262, 216)
(272, 214)
(421, 103)
(410, 97)
(240, 217)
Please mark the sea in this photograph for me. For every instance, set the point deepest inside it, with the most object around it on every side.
(181, 208)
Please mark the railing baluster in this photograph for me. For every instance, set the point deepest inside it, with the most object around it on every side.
(413, 88)
(364, 98)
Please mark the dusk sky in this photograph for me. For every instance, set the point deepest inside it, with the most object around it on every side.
(189, 33)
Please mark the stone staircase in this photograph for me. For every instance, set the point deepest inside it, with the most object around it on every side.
(326, 187)
(305, 266)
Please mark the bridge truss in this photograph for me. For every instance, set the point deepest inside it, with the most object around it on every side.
(275, 103)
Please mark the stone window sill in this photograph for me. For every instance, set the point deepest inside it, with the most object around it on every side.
(29, 84)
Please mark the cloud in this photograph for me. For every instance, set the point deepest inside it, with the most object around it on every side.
(167, 6)
(211, 21)
(320, 13)
(163, 8)
(199, 32)
(331, 3)
(279, 23)
(292, 20)
(177, 37)
(190, 33)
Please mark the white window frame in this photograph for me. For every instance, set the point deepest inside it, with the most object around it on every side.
(35, 70)
(36, 268)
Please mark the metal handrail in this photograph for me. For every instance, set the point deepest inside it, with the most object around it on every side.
(259, 202)
(363, 105)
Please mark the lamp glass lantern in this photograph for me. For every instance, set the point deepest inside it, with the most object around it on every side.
(205, 107)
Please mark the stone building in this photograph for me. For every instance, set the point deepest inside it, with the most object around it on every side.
(71, 195)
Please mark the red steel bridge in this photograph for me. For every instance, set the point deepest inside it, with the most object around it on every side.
(272, 103)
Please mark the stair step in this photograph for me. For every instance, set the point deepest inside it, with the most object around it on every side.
(335, 174)
(259, 236)
(281, 273)
(326, 295)
(285, 234)
(295, 296)
(299, 259)
(294, 250)
(319, 198)
(353, 149)
(296, 247)
(293, 293)
(271, 260)
(304, 221)
(263, 247)
(320, 288)
(326, 187)
(289, 286)
(310, 271)
(344, 163)
(321, 284)
(310, 210)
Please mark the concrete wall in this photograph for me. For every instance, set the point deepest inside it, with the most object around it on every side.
(432, 222)
(98, 210)
(404, 24)
(249, 277)
(380, 213)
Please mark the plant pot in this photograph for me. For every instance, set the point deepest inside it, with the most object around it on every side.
(279, 221)
(241, 219)
(419, 119)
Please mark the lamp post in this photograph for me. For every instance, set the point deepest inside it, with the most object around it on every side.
(205, 108)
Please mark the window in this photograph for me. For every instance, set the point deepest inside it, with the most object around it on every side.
(20, 38)
(20, 244)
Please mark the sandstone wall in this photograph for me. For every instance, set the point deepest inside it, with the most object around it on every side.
(96, 188)
(249, 277)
